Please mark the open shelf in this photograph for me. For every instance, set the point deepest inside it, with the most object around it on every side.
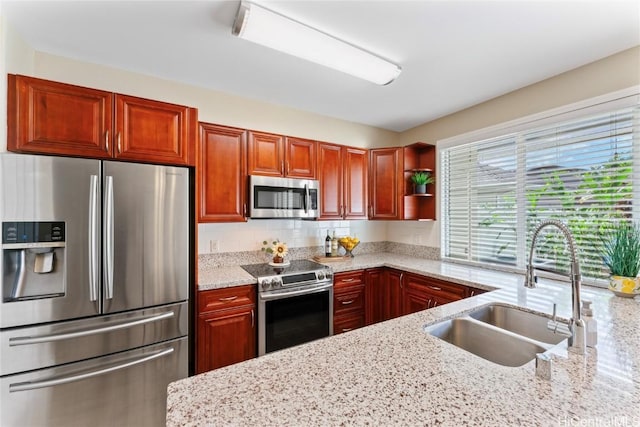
(419, 157)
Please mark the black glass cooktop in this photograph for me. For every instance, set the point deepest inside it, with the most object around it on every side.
(294, 267)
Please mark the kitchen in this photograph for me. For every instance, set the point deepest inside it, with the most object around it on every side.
(223, 243)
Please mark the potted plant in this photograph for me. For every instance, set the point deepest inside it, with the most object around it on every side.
(278, 249)
(420, 180)
(621, 253)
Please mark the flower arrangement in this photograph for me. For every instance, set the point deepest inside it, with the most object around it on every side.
(277, 248)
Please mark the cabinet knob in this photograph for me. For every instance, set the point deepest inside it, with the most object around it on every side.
(106, 140)
(119, 142)
(348, 302)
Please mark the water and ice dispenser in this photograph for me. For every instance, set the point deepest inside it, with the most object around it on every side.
(33, 260)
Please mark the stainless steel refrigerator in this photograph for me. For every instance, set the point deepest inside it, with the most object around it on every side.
(94, 316)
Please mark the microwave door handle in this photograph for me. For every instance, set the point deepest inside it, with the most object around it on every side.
(306, 198)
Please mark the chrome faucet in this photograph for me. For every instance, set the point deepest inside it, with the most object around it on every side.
(576, 324)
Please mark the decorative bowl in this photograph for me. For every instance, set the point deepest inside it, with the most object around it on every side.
(627, 287)
(348, 244)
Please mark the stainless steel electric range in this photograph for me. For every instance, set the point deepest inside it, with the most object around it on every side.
(295, 303)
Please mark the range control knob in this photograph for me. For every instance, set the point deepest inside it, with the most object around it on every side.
(275, 283)
(320, 275)
(265, 284)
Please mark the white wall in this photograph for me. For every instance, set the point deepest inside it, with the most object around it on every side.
(16, 57)
(296, 233)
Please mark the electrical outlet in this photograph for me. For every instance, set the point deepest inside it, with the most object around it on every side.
(214, 246)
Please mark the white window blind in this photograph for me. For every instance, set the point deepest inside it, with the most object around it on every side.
(584, 172)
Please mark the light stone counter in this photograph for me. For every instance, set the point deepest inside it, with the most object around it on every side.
(393, 373)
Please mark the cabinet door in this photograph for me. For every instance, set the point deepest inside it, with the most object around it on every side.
(55, 118)
(421, 293)
(355, 183)
(221, 174)
(330, 176)
(375, 295)
(154, 132)
(226, 327)
(225, 337)
(393, 296)
(384, 188)
(265, 155)
(300, 158)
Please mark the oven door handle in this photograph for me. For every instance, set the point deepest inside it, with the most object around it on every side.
(269, 297)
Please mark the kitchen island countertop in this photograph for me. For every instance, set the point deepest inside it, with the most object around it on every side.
(393, 373)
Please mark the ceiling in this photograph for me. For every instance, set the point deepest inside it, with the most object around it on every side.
(454, 54)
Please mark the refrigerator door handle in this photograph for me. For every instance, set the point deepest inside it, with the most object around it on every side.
(94, 278)
(86, 332)
(64, 380)
(108, 236)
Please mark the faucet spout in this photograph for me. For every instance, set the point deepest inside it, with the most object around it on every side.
(576, 324)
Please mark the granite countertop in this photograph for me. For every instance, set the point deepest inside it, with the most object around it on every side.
(393, 373)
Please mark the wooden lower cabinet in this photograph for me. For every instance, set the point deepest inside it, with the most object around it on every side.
(348, 301)
(383, 294)
(226, 327)
(421, 293)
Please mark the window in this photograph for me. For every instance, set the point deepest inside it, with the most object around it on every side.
(584, 171)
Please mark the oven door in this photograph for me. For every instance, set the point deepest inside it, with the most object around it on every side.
(294, 316)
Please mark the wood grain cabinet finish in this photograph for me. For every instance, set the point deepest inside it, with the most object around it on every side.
(348, 301)
(385, 189)
(418, 157)
(153, 131)
(55, 118)
(222, 176)
(226, 327)
(383, 294)
(342, 172)
(421, 293)
(300, 158)
(46, 117)
(277, 155)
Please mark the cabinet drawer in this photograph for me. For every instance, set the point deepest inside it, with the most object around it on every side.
(345, 280)
(347, 323)
(439, 288)
(218, 299)
(348, 300)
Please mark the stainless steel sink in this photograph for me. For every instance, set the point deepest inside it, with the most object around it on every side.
(520, 322)
(485, 341)
(501, 334)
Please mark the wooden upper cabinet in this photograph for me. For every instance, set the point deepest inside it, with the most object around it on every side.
(265, 154)
(385, 170)
(342, 172)
(300, 158)
(419, 157)
(152, 131)
(330, 175)
(56, 118)
(276, 155)
(222, 174)
(355, 183)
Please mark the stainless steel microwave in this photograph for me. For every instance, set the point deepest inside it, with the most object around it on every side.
(274, 197)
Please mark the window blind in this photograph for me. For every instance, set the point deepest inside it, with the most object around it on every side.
(584, 172)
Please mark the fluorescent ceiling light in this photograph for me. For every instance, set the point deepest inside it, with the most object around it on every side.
(262, 26)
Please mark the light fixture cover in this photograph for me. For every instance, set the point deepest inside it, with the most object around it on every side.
(262, 26)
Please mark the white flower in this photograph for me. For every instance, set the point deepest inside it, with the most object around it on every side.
(280, 249)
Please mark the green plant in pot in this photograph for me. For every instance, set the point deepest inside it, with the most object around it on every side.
(420, 180)
(621, 253)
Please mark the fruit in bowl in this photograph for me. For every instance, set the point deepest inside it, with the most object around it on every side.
(348, 243)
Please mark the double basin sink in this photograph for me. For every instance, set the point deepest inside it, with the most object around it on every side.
(501, 334)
